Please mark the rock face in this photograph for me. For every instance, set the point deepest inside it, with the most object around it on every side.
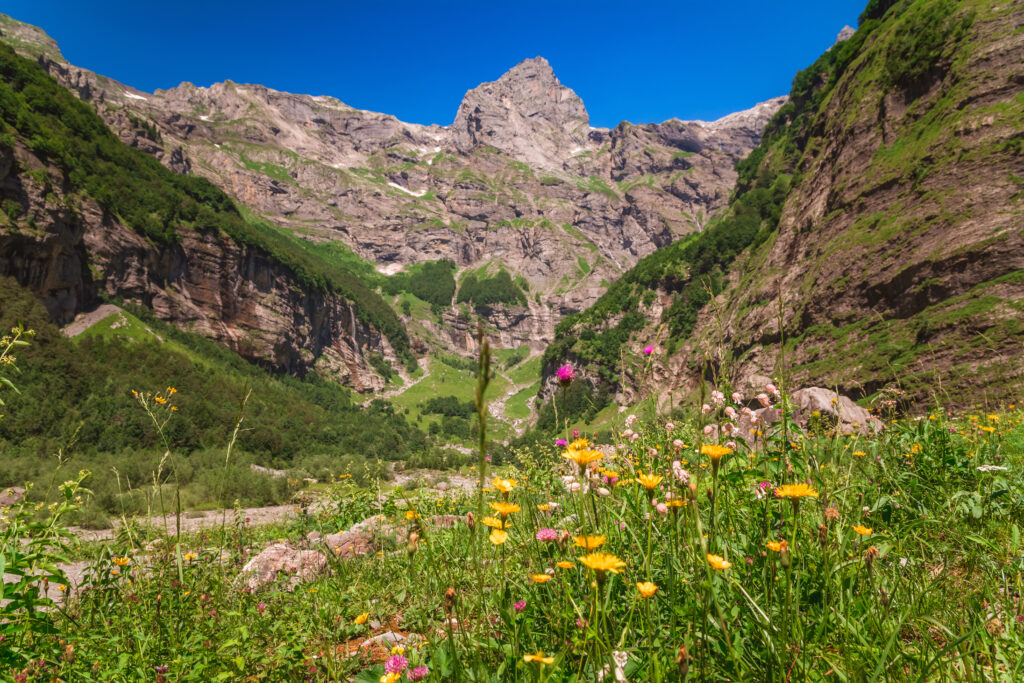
(519, 181)
(282, 558)
(526, 114)
(229, 292)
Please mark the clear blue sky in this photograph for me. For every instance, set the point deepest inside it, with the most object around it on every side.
(634, 61)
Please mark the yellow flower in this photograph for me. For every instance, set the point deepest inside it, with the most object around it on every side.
(504, 509)
(582, 457)
(392, 677)
(504, 485)
(492, 522)
(398, 650)
(778, 546)
(646, 588)
(61, 587)
(993, 418)
(564, 565)
(122, 561)
(188, 557)
(988, 429)
(361, 619)
(411, 514)
(540, 578)
(160, 400)
(714, 451)
(796, 491)
(603, 562)
(862, 530)
(498, 536)
(718, 562)
(539, 658)
(674, 503)
(589, 542)
(579, 444)
(859, 453)
(544, 508)
(649, 481)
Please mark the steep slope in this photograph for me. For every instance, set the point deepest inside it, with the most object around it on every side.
(883, 208)
(85, 216)
(517, 182)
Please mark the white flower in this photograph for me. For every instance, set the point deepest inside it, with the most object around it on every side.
(678, 444)
(717, 397)
(603, 492)
(737, 397)
(630, 420)
(628, 434)
(764, 400)
(681, 475)
(731, 413)
(620, 665)
(709, 429)
(669, 427)
(705, 409)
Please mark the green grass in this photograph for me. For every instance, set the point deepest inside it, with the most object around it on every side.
(516, 407)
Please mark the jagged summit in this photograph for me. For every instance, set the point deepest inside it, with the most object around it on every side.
(28, 37)
(527, 114)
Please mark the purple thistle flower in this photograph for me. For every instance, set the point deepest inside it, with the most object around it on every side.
(648, 350)
(566, 374)
(561, 442)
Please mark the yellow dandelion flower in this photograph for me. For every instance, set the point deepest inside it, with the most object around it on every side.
(391, 677)
(498, 536)
(778, 546)
(646, 588)
(504, 485)
(538, 658)
(582, 457)
(859, 453)
(565, 564)
(589, 542)
(603, 562)
(121, 561)
(796, 491)
(579, 444)
(188, 557)
(540, 578)
(504, 509)
(718, 562)
(862, 530)
(492, 522)
(714, 451)
(411, 514)
(544, 508)
(361, 619)
(649, 481)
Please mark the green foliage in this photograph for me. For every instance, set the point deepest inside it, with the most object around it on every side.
(152, 200)
(919, 41)
(431, 281)
(76, 395)
(381, 365)
(449, 405)
(486, 290)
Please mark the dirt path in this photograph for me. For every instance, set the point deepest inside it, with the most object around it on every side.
(193, 521)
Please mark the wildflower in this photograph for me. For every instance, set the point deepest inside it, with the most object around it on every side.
(648, 350)
(361, 619)
(544, 507)
(646, 588)
(602, 563)
(778, 546)
(649, 481)
(61, 587)
(505, 486)
(411, 514)
(710, 429)
(539, 658)
(717, 397)
(714, 451)
(566, 374)
(862, 530)
(561, 442)
(492, 522)
(706, 409)
(582, 457)
(669, 426)
(392, 677)
(831, 514)
(547, 535)
(188, 557)
(678, 444)
(859, 454)
(261, 607)
(504, 509)
(718, 562)
(993, 418)
(122, 561)
(796, 491)
(396, 664)
(497, 536)
(764, 400)
(540, 578)
(870, 555)
(589, 542)
(737, 397)
(418, 674)
(519, 606)
(564, 564)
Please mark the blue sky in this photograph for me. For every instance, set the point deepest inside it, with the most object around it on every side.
(634, 61)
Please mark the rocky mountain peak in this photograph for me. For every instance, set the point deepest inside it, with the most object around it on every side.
(527, 114)
(29, 38)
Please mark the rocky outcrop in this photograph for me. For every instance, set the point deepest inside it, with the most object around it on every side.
(297, 566)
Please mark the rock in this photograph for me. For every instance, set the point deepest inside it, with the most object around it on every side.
(845, 34)
(349, 544)
(299, 565)
(388, 639)
(848, 415)
(313, 536)
(11, 496)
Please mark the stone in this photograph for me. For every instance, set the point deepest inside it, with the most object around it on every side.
(849, 416)
(11, 495)
(299, 565)
(388, 639)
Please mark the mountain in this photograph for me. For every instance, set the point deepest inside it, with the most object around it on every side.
(518, 181)
(876, 237)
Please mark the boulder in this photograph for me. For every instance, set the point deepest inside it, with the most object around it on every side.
(839, 409)
(11, 496)
(299, 565)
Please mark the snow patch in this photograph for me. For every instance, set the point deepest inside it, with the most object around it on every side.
(134, 96)
(204, 118)
(414, 193)
(389, 268)
(576, 150)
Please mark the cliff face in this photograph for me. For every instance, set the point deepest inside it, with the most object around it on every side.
(68, 250)
(519, 180)
(898, 252)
